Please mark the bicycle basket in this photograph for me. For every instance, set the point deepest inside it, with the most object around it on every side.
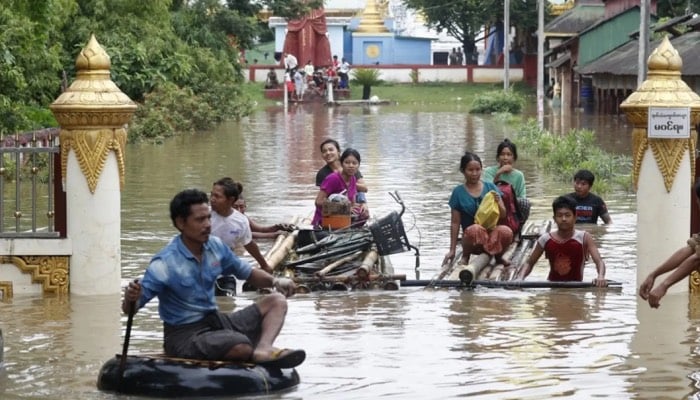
(389, 234)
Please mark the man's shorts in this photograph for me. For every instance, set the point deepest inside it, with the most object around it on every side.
(215, 335)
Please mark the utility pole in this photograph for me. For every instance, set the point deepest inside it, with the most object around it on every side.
(540, 63)
(643, 42)
(506, 44)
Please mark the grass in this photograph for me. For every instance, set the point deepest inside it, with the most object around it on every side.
(424, 93)
(563, 155)
(258, 53)
(428, 93)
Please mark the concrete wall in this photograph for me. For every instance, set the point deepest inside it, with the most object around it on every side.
(41, 260)
(426, 73)
(412, 51)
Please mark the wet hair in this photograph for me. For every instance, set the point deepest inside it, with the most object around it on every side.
(506, 143)
(350, 152)
(585, 175)
(231, 187)
(564, 202)
(181, 204)
(467, 158)
(332, 141)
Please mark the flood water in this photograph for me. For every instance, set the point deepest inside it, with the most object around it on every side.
(406, 344)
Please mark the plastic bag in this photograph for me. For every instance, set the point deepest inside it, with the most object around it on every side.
(338, 198)
(487, 214)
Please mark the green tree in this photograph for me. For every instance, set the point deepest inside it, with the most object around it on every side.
(289, 9)
(676, 8)
(465, 19)
(178, 58)
(30, 61)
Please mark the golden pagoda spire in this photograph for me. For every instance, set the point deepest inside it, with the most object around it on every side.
(371, 21)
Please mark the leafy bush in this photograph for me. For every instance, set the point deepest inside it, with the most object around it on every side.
(414, 75)
(366, 76)
(566, 154)
(170, 109)
(498, 101)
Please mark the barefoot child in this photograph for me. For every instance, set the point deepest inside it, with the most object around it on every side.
(684, 261)
(566, 248)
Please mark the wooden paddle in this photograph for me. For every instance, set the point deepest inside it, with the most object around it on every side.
(125, 348)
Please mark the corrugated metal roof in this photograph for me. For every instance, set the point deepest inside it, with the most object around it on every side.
(623, 60)
(693, 23)
(559, 61)
(575, 20)
(671, 23)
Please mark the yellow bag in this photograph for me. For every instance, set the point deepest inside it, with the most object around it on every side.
(487, 214)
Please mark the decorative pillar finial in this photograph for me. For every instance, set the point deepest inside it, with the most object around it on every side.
(663, 88)
(92, 113)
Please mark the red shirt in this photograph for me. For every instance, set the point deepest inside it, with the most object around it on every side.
(566, 258)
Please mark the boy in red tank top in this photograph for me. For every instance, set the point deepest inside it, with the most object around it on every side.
(566, 248)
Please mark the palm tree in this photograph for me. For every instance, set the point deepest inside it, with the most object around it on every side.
(367, 77)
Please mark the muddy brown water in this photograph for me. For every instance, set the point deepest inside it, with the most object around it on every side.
(408, 344)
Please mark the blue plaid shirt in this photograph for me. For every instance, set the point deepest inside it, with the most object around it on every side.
(184, 286)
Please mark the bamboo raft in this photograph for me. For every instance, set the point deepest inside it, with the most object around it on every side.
(358, 259)
(343, 259)
(485, 267)
(484, 271)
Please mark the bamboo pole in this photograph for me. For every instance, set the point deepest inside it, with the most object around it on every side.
(330, 267)
(510, 284)
(499, 271)
(523, 249)
(280, 238)
(386, 267)
(484, 273)
(282, 250)
(368, 263)
(496, 272)
(347, 279)
(527, 249)
(474, 267)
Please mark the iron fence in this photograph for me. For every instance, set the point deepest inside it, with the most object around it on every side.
(29, 170)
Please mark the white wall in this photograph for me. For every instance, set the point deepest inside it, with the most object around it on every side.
(425, 74)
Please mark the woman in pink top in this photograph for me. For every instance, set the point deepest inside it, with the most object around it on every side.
(342, 182)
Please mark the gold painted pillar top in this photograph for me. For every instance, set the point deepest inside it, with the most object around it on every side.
(93, 113)
(662, 88)
(93, 100)
(371, 21)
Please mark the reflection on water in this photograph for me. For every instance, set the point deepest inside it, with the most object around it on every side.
(412, 343)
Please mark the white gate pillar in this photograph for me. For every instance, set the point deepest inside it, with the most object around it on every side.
(662, 167)
(93, 113)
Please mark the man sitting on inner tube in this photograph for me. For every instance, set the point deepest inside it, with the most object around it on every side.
(182, 276)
